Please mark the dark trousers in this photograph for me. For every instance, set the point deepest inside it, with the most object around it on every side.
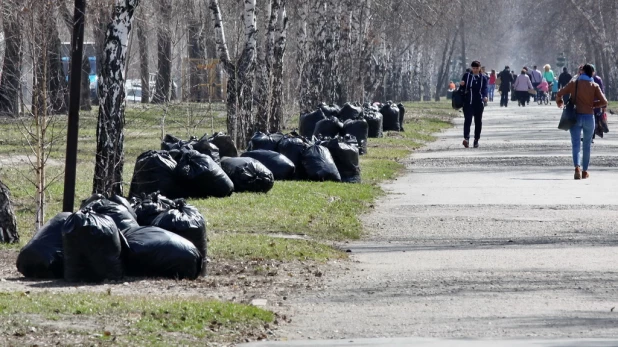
(523, 97)
(473, 111)
(504, 99)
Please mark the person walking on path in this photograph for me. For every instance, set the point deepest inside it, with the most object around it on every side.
(535, 78)
(492, 85)
(475, 85)
(521, 87)
(564, 78)
(506, 80)
(598, 112)
(585, 95)
(548, 74)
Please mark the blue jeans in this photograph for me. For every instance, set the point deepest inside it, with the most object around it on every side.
(490, 92)
(585, 122)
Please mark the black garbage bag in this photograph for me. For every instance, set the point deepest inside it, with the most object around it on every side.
(402, 113)
(330, 127)
(308, 121)
(186, 221)
(293, 146)
(154, 171)
(92, 247)
(358, 128)
(201, 177)
(329, 110)
(248, 175)
(226, 145)
(124, 202)
(262, 140)
(43, 257)
(206, 147)
(121, 216)
(171, 142)
(349, 111)
(374, 122)
(391, 117)
(154, 252)
(281, 167)
(148, 207)
(319, 164)
(346, 160)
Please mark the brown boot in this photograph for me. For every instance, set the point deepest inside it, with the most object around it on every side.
(465, 143)
(585, 174)
(578, 173)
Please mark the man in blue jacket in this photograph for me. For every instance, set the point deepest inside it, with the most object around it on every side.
(475, 85)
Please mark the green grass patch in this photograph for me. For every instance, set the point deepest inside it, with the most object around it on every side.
(259, 247)
(134, 318)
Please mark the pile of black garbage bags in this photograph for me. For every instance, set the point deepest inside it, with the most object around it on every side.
(109, 238)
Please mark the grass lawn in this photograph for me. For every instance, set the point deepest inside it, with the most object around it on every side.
(126, 321)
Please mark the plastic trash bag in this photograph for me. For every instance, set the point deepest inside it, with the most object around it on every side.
(346, 159)
(226, 145)
(359, 128)
(248, 174)
(154, 171)
(349, 111)
(281, 167)
(43, 256)
(200, 177)
(330, 127)
(374, 122)
(92, 247)
(155, 252)
(262, 140)
(148, 207)
(390, 112)
(329, 110)
(319, 164)
(293, 146)
(204, 146)
(308, 122)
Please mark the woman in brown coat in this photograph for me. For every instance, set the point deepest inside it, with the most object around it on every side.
(589, 96)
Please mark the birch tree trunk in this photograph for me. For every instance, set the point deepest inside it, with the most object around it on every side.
(240, 74)
(302, 59)
(8, 222)
(144, 69)
(164, 54)
(11, 70)
(110, 125)
(196, 53)
(264, 68)
(276, 107)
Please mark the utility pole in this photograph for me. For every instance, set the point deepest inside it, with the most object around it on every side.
(77, 49)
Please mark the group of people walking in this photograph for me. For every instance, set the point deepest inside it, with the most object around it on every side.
(586, 88)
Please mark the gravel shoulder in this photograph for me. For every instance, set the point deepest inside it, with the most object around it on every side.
(495, 242)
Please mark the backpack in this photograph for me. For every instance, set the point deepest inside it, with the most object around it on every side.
(457, 101)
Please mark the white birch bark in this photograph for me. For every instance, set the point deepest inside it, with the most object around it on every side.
(276, 110)
(110, 128)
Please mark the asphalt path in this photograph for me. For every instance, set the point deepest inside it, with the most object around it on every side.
(497, 243)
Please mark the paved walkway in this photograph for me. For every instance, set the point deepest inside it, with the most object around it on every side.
(495, 242)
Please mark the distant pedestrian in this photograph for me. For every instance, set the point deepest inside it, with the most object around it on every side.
(522, 86)
(564, 79)
(506, 80)
(589, 96)
(548, 74)
(475, 85)
(598, 112)
(492, 85)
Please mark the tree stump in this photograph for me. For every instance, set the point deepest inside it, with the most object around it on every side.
(8, 223)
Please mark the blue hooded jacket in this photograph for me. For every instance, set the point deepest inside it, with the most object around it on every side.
(476, 87)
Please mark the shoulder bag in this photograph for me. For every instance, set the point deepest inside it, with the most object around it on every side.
(569, 112)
